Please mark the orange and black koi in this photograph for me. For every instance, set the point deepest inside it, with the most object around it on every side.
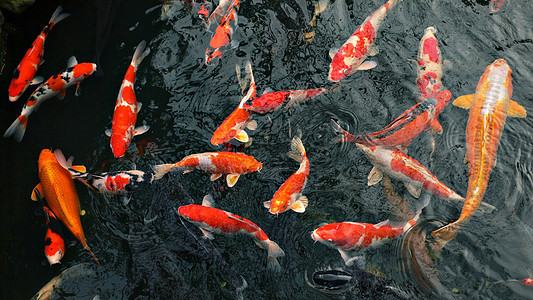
(407, 126)
(210, 219)
(222, 36)
(54, 244)
(24, 74)
(110, 183)
(54, 86)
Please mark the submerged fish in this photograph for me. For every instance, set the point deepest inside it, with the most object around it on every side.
(210, 219)
(218, 163)
(495, 5)
(489, 107)
(407, 126)
(289, 195)
(222, 36)
(54, 86)
(272, 101)
(351, 56)
(60, 193)
(319, 7)
(25, 71)
(126, 108)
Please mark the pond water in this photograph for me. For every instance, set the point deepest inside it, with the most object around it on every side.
(184, 101)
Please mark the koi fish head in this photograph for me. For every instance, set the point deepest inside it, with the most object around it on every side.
(278, 206)
(16, 88)
(328, 234)
(46, 156)
(53, 247)
(253, 165)
(83, 70)
(338, 68)
(189, 212)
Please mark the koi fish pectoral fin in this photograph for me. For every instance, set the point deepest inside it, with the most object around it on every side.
(350, 258)
(207, 234)
(215, 176)
(464, 101)
(77, 92)
(208, 201)
(333, 52)
(37, 80)
(373, 51)
(300, 204)
(367, 65)
(141, 130)
(61, 95)
(139, 105)
(252, 125)
(231, 179)
(516, 110)
(375, 176)
(266, 204)
(37, 193)
(435, 126)
(242, 136)
(413, 190)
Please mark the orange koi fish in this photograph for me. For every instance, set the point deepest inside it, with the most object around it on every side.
(54, 86)
(289, 195)
(24, 74)
(222, 36)
(489, 107)
(218, 163)
(126, 109)
(210, 219)
(233, 126)
(429, 74)
(347, 237)
(272, 101)
(60, 193)
(351, 56)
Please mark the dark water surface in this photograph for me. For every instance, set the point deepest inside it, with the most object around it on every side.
(184, 101)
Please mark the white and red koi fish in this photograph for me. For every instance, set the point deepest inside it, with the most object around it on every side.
(398, 165)
(54, 244)
(126, 109)
(489, 108)
(54, 86)
(406, 127)
(24, 74)
(218, 163)
(233, 126)
(351, 56)
(348, 237)
(429, 66)
(210, 219)
(222, 36)
(110, 183)
(272, 101)
(495, 5)
(289, 195)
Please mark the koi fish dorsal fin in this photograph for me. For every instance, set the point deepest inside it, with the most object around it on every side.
(231, 179)
(464, 101)
(382, 223)
(37, 193)
(61, 159)
(208, 201)
(141, 130)
(375, 176)
(516, 110)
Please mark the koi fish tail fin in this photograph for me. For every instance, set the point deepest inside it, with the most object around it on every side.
(274, 251)
(58, 16)
(140, 53)
(343, 135)
(84, 243)
(17, 129)
(161, 170)
(297, 150)
(445, 234)
(413, 221)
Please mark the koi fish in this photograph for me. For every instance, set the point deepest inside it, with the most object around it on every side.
(222, 36)
(429, 67)
(24, 74)
(54, 245)
(407, 126)
(495, 5)
(351, 56)
(110, 183)
(272, 101)
(210, 219)
(289, 195)
(126, 109)
(54, 86)
(347, 237)
(319, 8)
(489, 107)
(218, 163)
(233, 126)
(60, 193)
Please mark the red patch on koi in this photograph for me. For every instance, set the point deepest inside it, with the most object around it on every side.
(128, 95)
(57, 84)
(430, 49)
(203, 11)
(398, 165)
